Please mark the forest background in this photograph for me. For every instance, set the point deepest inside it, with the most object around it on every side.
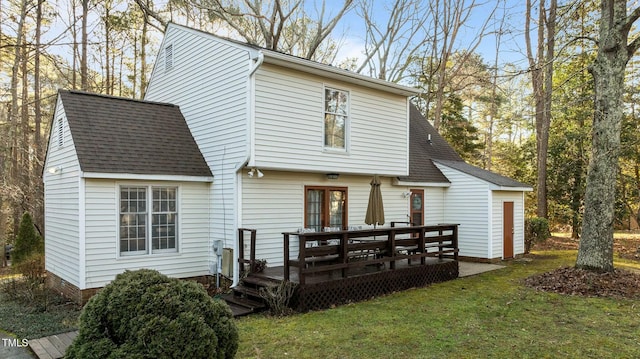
(506, 82)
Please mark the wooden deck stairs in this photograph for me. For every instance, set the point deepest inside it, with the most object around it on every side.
(245, 297)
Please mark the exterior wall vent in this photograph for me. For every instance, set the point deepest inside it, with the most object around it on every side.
(168, 57)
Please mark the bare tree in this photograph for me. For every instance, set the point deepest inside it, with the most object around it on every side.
(448, 18)
(541, 69)
(391, 47)
(84, 70)
(608, 71)
(282, 25)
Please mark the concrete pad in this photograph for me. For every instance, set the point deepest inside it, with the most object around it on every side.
(471, 268)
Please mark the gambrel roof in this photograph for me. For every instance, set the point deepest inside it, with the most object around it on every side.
(123, 136)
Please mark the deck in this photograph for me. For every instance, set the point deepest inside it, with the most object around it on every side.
(332, 268)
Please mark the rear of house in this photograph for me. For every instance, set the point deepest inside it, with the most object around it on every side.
(125, 188)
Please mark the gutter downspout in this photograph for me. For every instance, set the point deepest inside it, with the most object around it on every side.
(258, 60)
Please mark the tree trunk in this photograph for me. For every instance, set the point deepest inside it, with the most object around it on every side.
(608, 70)
(84, 72)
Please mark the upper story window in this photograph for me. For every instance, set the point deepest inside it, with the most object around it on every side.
(148, 220)
(336, 117)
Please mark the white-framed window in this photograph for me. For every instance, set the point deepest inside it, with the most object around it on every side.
(148, 220)
(336, 118)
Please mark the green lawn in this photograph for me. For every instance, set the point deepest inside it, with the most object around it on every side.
(490, 315)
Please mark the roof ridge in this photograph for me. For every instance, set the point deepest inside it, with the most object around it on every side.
(122, 98)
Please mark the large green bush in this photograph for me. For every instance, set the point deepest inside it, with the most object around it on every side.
(144, 314)
(536, 230)
(28, 241)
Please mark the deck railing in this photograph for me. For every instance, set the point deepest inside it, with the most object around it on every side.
(252, 252)
(320, 252)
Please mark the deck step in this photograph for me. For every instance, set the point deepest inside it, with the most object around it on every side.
(259, 281)
(242, 305)
(247, 292)
(244, 301)
(239, 310)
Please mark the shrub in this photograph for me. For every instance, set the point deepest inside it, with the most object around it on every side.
(144, 314)
(278, 297)
(27, 241)
(536, 231)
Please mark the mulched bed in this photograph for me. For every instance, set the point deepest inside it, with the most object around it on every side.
(572, 281)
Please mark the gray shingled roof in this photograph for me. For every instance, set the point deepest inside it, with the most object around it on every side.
(125, 136)
(483, 174)
(423, 153)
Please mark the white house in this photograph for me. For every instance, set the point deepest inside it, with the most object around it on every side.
(291, 144)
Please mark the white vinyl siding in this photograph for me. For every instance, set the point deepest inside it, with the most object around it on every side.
(101, 211)
(289, 125)
(212, 88)
(499, 197)
(434, 205)
(467, 204)
(275, 204)
(61, 203)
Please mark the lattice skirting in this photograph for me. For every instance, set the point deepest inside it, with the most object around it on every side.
(345, 290)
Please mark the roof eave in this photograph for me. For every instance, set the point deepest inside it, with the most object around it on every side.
(316, 68)
(398, 182)
(146, 177)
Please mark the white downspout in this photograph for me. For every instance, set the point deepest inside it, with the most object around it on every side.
(258, 60)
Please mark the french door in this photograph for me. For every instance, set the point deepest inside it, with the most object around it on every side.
(325, 207)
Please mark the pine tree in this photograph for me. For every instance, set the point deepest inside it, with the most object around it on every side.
(27, 242)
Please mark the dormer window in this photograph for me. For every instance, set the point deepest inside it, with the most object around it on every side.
(336, 117)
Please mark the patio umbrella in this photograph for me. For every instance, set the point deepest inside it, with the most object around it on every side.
(375, 208)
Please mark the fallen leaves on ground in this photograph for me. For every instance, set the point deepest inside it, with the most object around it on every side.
(572, 281)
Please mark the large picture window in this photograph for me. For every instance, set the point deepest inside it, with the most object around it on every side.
(326, 207)
(148, 219)
(336, 116)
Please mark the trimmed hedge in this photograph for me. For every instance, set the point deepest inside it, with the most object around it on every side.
(144, 314)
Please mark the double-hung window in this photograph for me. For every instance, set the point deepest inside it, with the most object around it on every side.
(336, 119)
(148, 220)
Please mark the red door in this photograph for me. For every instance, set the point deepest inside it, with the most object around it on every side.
(507, 229)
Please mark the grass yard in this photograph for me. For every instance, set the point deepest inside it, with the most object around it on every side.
(490, 315)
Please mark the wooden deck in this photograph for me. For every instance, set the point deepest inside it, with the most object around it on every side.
(52, 347)
(331, 268)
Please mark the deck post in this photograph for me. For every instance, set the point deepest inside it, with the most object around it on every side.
(302, 262)
(392, 248)
(421, 245)
(286, 256)
(344, 244)
(252, 254)
(454, 241)
(241, 248)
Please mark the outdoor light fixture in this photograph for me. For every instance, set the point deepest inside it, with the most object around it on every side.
(333, 176)
(406, 194)
(254, 171)
(54, 170)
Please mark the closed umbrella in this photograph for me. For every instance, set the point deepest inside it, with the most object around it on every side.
(375, 208)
